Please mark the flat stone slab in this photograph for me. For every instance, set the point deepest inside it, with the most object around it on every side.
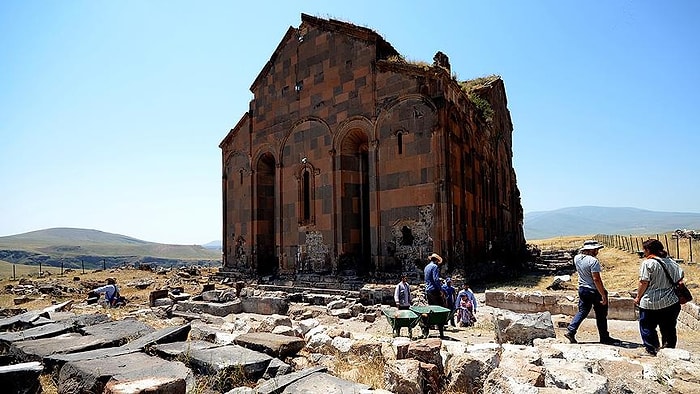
(60, 359)
(320, 382)
(183, 348)
(69, 324)
(28, 318)
(211, 308)
(91, 376)
(221, 359)
(275, 385)
(275, 345)
(46, 330)
(265, 305)
(189, 316)
(37, 349)
(147, 386)
(164, 335)
(23, 320)
(21, 378)
(118, 332)
(89, 319)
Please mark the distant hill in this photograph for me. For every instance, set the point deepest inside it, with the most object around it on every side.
(213, 245)
(75, 246)
(605, 220)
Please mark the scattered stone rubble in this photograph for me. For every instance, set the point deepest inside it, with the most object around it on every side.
(555, 262)
(237, 335)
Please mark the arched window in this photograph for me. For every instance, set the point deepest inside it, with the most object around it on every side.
(305, 176)
(306, 198)
(399, 141)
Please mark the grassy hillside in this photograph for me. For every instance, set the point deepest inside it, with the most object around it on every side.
(75, 248)
(66, 242)
(605, 220)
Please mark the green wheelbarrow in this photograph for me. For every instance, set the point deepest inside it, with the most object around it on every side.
(398, 318)
(432, 315)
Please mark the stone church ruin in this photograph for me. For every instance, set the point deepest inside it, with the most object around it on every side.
(353, 162)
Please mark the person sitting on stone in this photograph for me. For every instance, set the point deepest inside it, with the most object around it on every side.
(111, 292)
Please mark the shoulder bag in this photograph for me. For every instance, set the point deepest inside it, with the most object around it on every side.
(679, 288)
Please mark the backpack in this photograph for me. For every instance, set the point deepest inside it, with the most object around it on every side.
(116, 299)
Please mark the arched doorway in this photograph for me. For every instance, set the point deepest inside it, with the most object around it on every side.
(354, 170)
(265, 260)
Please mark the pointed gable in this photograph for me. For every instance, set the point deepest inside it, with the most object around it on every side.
(383, 48)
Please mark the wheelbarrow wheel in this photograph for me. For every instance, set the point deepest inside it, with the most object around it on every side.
(425, 329)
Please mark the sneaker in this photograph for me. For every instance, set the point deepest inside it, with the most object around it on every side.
(611, 341)
(571, 337)
(647, 352)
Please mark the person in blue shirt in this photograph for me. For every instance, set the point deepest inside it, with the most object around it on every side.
(433, 286)
(450, 299)
(466, 291)
(466, 307)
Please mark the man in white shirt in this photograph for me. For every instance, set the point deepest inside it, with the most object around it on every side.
(402, 293)
(111, 292)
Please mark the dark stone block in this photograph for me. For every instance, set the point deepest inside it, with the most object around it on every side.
(118, 332)
(21, 378)
(280, 346)
(90, 376)
(38, 349)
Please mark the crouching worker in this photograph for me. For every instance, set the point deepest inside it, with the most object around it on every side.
(111, 292)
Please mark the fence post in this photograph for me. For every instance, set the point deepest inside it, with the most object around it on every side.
(82, 263)
(61, 267)
(104, 265)
(690, 248)
(678, 248)
(14, 273)
(39, 267)
(666, 242)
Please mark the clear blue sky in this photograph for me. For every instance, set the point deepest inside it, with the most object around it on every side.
(111, 112)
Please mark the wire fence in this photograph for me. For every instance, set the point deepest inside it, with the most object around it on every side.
(680, 248)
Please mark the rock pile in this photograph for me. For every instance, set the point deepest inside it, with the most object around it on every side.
(253, 340)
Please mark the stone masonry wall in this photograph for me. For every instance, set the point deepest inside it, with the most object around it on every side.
(620, 308)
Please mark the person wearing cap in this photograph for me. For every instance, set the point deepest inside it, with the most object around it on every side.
(402, 293)
(449, 292)
(433, 287)
(591, 293)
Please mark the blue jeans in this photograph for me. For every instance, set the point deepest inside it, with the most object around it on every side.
(587, 299)
(666, 319)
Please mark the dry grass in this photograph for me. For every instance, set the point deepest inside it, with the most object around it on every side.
(620, 267)
(137, 298)
(7, 270)
(366, 369)
(48, 386)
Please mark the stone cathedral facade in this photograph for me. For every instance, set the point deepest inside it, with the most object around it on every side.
(352, 161)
